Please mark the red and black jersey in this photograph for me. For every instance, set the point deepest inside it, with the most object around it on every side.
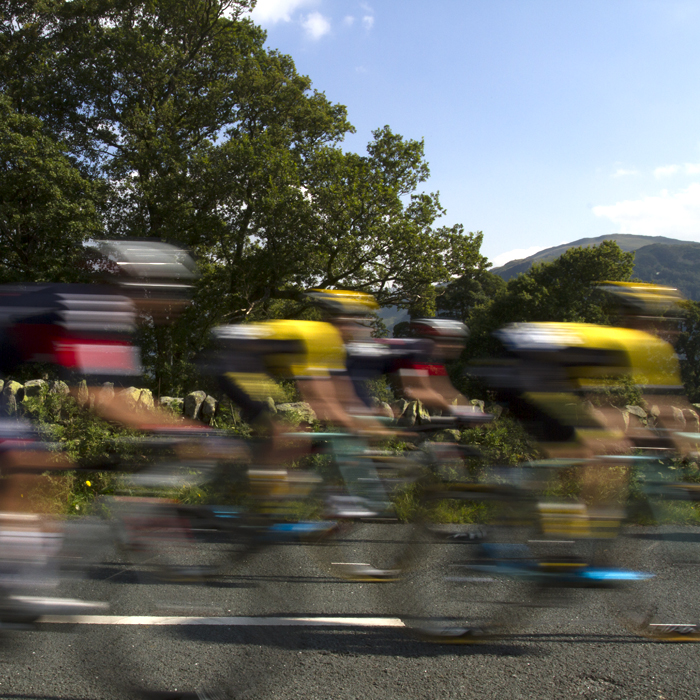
(413, 356)
(84, 330)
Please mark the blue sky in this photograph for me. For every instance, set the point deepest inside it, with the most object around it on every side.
(544, 120)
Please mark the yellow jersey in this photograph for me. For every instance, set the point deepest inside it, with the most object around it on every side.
(594, 355)
(317, 349)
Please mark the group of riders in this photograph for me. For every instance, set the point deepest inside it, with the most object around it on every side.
(546, 374)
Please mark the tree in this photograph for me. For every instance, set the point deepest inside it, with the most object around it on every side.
(200, 135)
(478, 287)
(47, 208)
(688, 349)
(562, 290)
(373, 229)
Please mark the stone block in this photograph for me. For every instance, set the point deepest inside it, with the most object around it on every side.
(13, 388)
(297, 411)
(83, 397)
(146, 401)
(692, 420)
(384, 409)
(678, 417)
(399, 408)
(208, 409)
(193, 403)
(59, 387)
(34, 387)
(130, 396)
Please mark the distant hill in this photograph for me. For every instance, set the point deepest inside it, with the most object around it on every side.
(674, 265)
(657, 259)
(626, 241)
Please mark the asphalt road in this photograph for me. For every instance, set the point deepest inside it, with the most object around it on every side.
(576, 651)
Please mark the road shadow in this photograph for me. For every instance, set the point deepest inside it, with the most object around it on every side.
(347, 642)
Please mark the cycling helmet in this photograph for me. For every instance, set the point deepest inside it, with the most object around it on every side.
(642, 299)
(240, 331)
(434, 328)
(343, 302)
(154, 269)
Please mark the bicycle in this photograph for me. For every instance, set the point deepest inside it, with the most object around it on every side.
(249, 508)
(470, 582)
(660, 536)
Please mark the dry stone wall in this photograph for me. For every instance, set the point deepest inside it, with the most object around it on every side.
(198, 405)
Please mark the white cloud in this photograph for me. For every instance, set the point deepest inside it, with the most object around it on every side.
(516, 254)
(272, 11)
(348, 20)
(368, 22)
(622, 172)
(316, 25)
(665, 171)
(666, 214)
(668, 170)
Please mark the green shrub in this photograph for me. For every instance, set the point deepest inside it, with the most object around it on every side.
(617, 391)
(503, 442)
(87, 440)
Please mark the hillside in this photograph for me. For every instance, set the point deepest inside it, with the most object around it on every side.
(626, 241)
(657, 259)
(674, 265)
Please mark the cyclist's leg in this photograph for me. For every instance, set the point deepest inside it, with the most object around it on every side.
(358, 471)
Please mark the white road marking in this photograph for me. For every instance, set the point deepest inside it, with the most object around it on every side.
(224, 621)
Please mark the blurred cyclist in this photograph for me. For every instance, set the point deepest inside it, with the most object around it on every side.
(546, 371)
(420, 371)
(654, 310)
(313, 355)
(85, 331)
(415, 364)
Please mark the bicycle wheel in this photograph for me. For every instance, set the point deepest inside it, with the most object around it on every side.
(169, 633)
(660, 602)
(168, 543)
(469, 570)
(361, 551)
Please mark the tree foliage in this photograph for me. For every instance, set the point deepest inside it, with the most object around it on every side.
(688, 348)
(47, 207)
(562, 290)
(477, 288)
(199, 134)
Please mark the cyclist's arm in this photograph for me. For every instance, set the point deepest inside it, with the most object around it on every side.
(321, 394)
(432, 391)
(119, 410)
(332, 399)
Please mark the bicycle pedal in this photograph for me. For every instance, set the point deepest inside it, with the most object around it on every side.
(365, 573)
(471, 537)
(674, 632)
(455, 635)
